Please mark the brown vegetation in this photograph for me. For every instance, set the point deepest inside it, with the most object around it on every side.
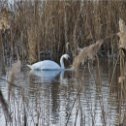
(51, 26)
(41, 26)
(14, 71)
(87, 53)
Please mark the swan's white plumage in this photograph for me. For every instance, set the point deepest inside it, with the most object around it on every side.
(45, 65)
(49, 64)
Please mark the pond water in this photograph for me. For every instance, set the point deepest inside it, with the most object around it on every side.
(70, 98)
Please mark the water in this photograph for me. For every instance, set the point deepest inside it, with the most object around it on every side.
(70, 98)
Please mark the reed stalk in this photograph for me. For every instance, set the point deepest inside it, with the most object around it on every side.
(122, 54)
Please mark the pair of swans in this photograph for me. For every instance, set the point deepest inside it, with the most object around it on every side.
(49, 64)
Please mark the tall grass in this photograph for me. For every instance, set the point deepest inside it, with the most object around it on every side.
(46, 26)
(87, 53)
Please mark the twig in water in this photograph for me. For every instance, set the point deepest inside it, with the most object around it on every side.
(5, 107)
(73, 107)
(114, 70)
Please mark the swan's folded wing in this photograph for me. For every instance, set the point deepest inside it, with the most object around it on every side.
(46, 65)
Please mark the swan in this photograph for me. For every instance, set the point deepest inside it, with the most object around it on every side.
(49, 64)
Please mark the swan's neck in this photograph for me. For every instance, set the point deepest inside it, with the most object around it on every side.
(62, 62)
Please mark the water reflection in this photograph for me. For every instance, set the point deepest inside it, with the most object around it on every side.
(43, 76)
(66, 98)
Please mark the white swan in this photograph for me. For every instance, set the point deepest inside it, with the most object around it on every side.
(49, 65)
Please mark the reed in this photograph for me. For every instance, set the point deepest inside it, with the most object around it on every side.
(88, 52)
(14, 71)
(40, 26)
(122, 78)
(122, 47)
(32, 51)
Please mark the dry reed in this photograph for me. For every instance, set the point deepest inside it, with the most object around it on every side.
(4, 20)
(122, 47)
(32, 46)
(54, 23)
(122, 78)
(87, 53)
(15, 70)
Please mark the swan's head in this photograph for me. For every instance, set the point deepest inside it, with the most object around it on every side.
(66, 56)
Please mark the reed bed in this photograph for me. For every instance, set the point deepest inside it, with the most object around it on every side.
(39, 26)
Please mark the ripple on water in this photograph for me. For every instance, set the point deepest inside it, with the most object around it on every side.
(61, 98)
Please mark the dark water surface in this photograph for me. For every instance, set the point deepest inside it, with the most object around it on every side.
(70, 98)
